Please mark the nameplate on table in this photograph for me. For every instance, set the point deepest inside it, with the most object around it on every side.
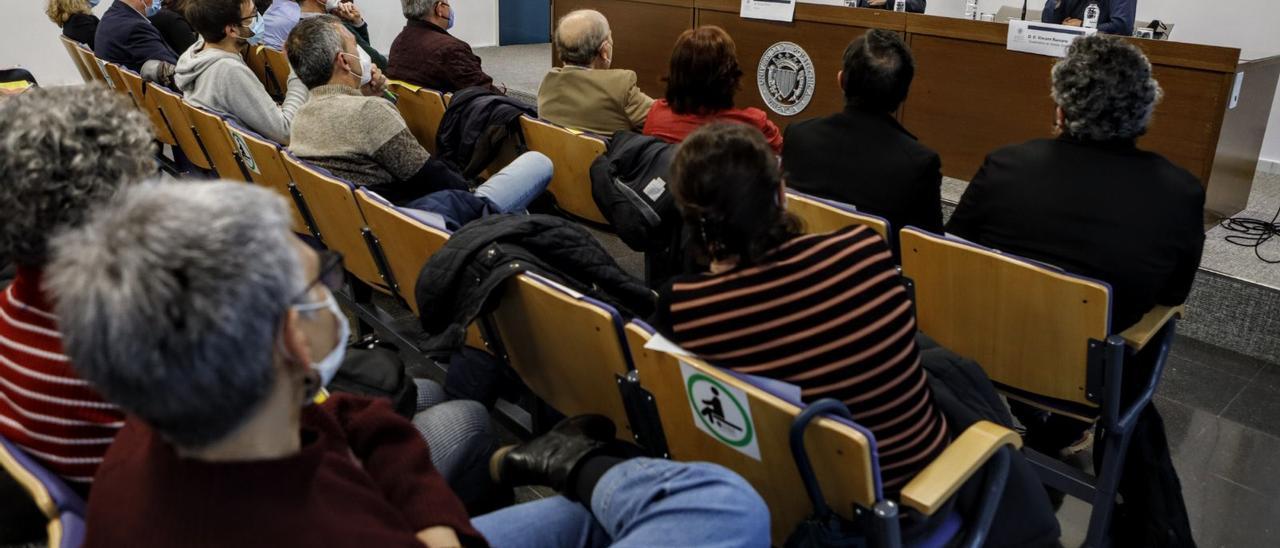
(1044, 38)
(769, 10)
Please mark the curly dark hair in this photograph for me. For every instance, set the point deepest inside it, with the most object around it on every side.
(704, 72)
(63, 150)
(1105, 89)
(726, 180)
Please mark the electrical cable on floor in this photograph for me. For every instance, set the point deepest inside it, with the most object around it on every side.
(1251, 232)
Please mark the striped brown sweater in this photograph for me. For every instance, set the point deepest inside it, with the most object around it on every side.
(829, 313)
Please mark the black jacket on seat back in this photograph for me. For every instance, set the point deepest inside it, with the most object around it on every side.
(453, 288)
(629, 185)
(474, 127)
(867, 160)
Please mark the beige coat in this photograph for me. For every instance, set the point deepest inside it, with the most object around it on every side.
(599, 101)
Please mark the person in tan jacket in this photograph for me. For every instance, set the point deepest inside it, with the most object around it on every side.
(585, 93)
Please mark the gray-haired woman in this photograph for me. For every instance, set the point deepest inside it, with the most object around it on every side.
(1092, 202)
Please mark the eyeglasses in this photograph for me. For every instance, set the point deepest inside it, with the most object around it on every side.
(332, 275)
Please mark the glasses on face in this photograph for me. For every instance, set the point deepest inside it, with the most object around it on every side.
(331, 274)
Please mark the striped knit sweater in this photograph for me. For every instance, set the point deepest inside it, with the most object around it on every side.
(828, 313)
(44, 407)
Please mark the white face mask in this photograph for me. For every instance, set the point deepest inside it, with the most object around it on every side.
(328, 366)
(330, 5)
(366, 67)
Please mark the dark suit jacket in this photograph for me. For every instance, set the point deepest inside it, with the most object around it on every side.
(869, 161)
(1114, 16)
(913, 6)
(1104, 210)
(426, 55)
(126, 37)
(81, 27)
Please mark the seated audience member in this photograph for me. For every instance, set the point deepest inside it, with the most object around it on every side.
(347, 128)
(65, 151)
(216, 342)
(913, 6)
(425, 54)
(75, 17)
(1092, 202)
(277, 21)
(827, 312)
(127, 37)
(585, 93)
(1114, 16)
(863, 156)
(703, 78)
(213, 75)
(172, 23)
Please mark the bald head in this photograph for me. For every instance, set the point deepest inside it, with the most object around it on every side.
(583, 39)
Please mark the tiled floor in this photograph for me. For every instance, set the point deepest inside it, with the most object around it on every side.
(1222, 416)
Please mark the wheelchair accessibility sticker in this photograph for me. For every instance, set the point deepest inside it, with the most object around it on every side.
(242, 150)
(721, 411)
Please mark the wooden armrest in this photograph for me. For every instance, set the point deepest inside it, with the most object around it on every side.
(934, 485)
(406, 85)
(1142, 332)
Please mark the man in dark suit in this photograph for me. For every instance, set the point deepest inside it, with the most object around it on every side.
(127, 37)
(1114, 16)
(862, 156)
(913, 6)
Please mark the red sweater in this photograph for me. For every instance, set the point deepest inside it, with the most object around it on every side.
(363, 478)
(665, 124)
(48, 411)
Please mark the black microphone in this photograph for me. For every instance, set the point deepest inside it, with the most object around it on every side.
(1024, 10)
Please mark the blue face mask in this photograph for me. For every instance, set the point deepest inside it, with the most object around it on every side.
(154, 8)
(451, 17)
(257, 27)
(93, 3)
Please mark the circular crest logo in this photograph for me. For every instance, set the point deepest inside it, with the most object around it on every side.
(785, 78)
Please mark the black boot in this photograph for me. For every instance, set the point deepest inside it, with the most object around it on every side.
(550, 459)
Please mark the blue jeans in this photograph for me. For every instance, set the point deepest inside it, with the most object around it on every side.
(516, 186)
(641, 502)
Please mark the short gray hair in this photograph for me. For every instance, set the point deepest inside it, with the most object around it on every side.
(417, 9)
(1105, 89)
(312, 46)
(581, 46)
(170, 299)
(62, 151)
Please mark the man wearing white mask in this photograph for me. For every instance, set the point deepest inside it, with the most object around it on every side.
(213, 75)
(349, 129)
(127, 37)
(425, 54)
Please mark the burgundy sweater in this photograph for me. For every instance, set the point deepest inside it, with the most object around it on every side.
(363, 478)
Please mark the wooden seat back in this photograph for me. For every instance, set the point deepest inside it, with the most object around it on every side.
(821, 216)
(175, 114)
(568, 348)
(264, 162)
(338, 219)
(422, 110)
(73, 51)
(571, 153)
(138, 88)
(1029, 325)
(406, 242)
(256, 58)
(211, 129)
(91, 65)
(841, 454)
(112, 72)
(277, 69)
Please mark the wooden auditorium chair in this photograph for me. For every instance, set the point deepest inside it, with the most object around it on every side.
(571, 153)
(62, 506)
(1044, 337)
(422, 109)
(277, 70)
(90, 62)
(405, 239)
(138, 88)
(817, 453)
(256, 59)
(821, 215)
(211, 130)
(184, 133)
(263, 161)
(73, 51)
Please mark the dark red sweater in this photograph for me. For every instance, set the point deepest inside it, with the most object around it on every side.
(363, 478)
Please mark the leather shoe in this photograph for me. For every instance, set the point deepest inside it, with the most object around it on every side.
(551, 458)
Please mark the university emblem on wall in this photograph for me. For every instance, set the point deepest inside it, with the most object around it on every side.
(785, 78)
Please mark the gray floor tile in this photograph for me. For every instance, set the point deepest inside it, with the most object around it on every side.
(1215, 357)
(1268, 377)
(1256, 407)
(1199, 385)
(1224, 514)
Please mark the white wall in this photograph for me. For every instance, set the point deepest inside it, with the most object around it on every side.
(28, 38)
(1250, 25)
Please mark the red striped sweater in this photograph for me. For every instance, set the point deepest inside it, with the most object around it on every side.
(44, 407)
(828, 313)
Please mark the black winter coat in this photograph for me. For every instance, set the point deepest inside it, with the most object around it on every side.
(454, 287)
(476, 124)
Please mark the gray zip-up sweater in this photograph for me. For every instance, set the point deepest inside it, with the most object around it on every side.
(221, 82)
